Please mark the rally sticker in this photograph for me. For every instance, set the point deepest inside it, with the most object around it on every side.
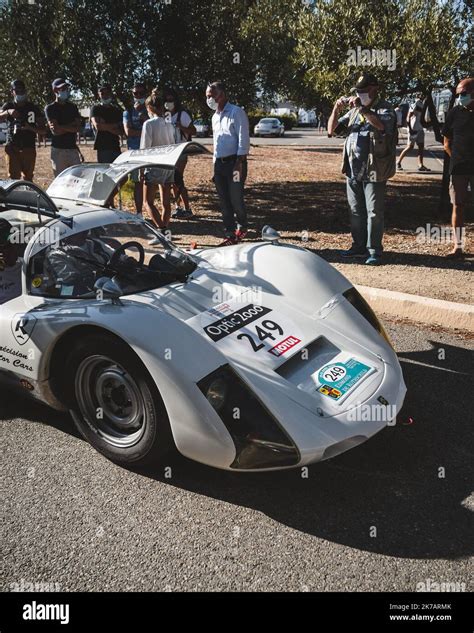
(338, 378)
(244, 326)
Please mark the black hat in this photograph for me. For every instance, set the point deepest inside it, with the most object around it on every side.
(17, 83)
(366, 80)
(5, 231)
(57, 83)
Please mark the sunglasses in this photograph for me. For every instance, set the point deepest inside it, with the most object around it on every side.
(139, 94)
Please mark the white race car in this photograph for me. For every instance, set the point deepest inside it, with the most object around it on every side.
(249, 357)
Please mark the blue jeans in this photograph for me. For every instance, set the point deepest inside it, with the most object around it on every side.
(231, 195)
(367, 204)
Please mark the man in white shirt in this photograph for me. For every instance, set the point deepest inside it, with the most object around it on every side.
(156, 132)
(415, 134)
(10, 265)
(230, 127)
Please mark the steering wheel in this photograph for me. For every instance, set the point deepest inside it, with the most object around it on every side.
(115, 259)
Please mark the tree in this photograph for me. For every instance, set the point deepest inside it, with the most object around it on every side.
(427, 36)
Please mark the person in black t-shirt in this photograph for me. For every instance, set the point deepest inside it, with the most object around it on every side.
(25, 120)
(65, 122)
(458, 132)
(107, 120)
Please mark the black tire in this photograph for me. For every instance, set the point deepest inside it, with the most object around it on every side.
(102, 360)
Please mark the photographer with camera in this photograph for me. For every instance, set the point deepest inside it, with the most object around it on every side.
(368, 162)
(25, 120)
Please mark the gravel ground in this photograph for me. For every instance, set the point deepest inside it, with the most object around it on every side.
(301, 192)
(73, 518)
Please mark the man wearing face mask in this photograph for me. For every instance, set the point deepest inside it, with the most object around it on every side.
(458, 132)
(106, 118)
(64, 121)
(133, 120)
(25, 120)
(368, 162)
(230, 127)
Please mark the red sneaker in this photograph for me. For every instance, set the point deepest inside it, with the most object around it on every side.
(229, 241)
(241, 234)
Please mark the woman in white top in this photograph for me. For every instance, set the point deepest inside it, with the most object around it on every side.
(155, 132)
(184, 131)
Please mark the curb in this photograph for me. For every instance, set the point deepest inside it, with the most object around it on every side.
(420, 309)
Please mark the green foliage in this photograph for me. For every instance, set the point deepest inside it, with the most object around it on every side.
(430, 38)
(262, 49)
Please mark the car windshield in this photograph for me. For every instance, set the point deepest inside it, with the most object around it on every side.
(78, 265)
(268, 121)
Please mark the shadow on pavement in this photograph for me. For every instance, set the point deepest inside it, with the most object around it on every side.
(392, 482)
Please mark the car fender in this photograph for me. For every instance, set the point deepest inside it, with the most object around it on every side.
(175, 369)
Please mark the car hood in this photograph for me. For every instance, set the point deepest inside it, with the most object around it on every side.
(254, 298)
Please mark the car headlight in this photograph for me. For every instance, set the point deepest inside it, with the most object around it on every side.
(360, 304)
(259, 440)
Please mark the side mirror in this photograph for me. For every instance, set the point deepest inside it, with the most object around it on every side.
(269, 234)
(108, 289)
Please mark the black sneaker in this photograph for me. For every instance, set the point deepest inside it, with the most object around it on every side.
(354, 252)
(181, 214)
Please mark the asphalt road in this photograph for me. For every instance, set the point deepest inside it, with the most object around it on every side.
(73, 518)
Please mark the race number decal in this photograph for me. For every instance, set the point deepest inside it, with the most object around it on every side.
(339, 378)
(245, 327)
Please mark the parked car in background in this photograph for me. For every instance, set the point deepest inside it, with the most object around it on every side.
(203, 128)
(3, 132)
(269, 127)
(88, 130)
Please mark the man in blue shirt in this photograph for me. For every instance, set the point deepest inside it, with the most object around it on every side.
(368, 162)
(230, 127)
(133, 120)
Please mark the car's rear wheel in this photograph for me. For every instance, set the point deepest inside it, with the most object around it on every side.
(115, 403)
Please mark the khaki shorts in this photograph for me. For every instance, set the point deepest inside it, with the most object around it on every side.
(61, 159)
(458, 189)
(20, 161)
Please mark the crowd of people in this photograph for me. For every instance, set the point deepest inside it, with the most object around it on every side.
(159, 118)
(155, 119)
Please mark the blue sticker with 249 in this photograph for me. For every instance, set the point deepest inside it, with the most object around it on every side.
(336, 379)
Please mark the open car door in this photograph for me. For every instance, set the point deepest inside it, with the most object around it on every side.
(96, 182)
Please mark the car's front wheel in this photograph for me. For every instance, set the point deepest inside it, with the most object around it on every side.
(115, 403)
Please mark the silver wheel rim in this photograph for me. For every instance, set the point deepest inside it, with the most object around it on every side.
(110, 401)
